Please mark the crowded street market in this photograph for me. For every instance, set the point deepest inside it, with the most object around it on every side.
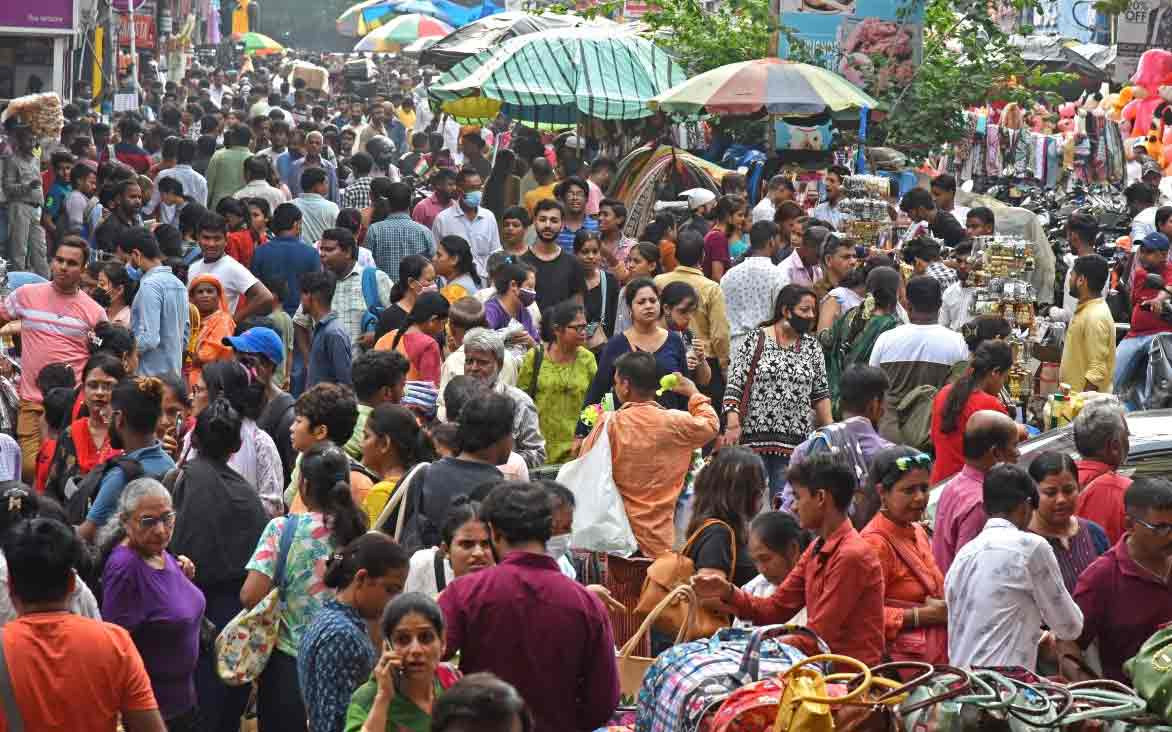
(450, 366)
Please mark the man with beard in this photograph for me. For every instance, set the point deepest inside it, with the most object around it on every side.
(955, 310)
(1082, 230)
(559, 275)
(124, 208)
(56, 321)
(136, 407)
(443, 196)
(1088, 355)
(375, 127)
(484, 355)
(233, 276)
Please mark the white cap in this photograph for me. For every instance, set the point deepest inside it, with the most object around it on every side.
(698, 197)
(573, 142)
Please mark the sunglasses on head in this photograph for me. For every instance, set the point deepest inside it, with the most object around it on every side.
(912, 462)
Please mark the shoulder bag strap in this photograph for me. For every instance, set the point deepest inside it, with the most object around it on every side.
(538, 357)
(743, 407)
(922, 578)
(7, 695)
(287, 534)
(441, 579)
(602, 307)
(732, 540)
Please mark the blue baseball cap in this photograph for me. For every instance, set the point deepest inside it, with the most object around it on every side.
(1155, 240)
(263, 341)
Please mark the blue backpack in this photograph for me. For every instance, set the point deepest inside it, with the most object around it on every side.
(374, 306)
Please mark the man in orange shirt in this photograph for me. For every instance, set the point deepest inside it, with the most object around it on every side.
(67, 672)
(651, 447)
(838, 579)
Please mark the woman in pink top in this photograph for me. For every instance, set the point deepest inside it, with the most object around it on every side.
(416, 340)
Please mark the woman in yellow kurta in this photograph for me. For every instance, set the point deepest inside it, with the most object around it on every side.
(566, 370)
(215, 323)
(914, 613)
(394, 443)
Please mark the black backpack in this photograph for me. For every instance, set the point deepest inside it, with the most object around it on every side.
(79, 496)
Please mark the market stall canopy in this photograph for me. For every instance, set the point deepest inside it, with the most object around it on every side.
(564, 75)
(350, 22)
(774, 85)
(419, 46)
(401, 31)
(484, 34)
(257, 44)
(379, 15)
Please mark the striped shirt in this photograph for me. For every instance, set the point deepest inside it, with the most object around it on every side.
(54, 328)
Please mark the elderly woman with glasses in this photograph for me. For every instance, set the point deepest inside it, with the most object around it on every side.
(914, 613)
(149, 592)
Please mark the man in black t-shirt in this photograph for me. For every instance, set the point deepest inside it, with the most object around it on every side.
(559, 275)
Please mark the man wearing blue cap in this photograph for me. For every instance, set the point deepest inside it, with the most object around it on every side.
(260, 350)
(1147, 304)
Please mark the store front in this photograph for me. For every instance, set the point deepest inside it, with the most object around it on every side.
(34, 43)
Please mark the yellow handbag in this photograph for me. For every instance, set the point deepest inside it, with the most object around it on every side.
(632, 668)
(805, 703)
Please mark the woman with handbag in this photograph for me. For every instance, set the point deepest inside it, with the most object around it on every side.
(556, 375)
(602, 290)
(148, 591)
(777, 391)
(331, 520)
(208, 492)
(393, 444)
(914, 613)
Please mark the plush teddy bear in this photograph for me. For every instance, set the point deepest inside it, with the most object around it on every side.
(1154, 70)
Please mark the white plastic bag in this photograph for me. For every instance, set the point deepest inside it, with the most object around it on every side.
(600, 519)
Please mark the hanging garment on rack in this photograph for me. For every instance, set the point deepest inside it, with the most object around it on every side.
(993, 150)
(1115, 162)
(1054, 145)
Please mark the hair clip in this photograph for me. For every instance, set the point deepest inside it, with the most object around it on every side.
(15, 501)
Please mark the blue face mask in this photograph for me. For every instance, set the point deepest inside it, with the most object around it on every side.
(133, 272)
(472, 199)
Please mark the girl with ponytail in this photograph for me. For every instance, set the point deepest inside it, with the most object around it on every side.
(392, 446)
(416, 276)
(977, 390)
(331, 521)
(417, 338)
(336, 655)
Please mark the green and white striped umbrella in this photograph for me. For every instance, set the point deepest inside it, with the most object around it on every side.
(564, 74)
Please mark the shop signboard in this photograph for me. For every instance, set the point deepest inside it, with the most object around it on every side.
(45, 16)
(873, 43)
(144, 30)
(1145, 24)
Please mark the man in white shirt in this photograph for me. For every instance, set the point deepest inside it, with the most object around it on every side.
(233, 276)
(218, 89)
(1141, 204)
(750, 289)
(470, 221)
(828, 209)
(958, 297)
(1005, 584)
(779, 190)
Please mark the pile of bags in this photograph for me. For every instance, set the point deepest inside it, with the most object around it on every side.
(41, 112)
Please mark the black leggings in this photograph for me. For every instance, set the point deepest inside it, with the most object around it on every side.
(221, 706)
(279, 707)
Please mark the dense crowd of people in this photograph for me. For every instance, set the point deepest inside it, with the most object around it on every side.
(252, 358)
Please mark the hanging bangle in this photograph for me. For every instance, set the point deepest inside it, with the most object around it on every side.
(915, 617)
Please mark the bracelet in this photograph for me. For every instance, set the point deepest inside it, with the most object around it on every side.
(915, 617)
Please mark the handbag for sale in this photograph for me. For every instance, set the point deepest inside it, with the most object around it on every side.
(806, 703)
(633, 668)
(1151, 672)
(874, 711)
(960, 701)
(245, 644)
(672, 570)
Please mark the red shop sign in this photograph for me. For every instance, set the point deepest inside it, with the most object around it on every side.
(144, 30)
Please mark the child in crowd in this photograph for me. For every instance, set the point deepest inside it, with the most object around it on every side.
(326, 413)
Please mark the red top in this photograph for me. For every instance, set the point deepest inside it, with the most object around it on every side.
(840, 583)
(1122, 606)
(241, 246)
(716, 250)
(1144, 321)
(1089, 469)
(950, 445)
(1101, 501)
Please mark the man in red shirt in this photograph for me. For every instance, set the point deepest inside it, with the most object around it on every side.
(104, 676)
(838, 579)
(1131, 355)
(444, 192)
(1101, 437)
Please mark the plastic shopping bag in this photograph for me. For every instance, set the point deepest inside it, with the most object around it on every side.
(600, 519)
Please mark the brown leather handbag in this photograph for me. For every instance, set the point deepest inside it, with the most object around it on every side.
(670, 571)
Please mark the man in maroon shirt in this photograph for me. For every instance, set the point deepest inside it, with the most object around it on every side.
(529, 624)
(1124, 595)
(838, 579)
(1148, 303)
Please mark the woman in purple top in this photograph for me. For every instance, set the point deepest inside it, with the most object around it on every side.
(515, 284)
(149, 592)
(1077, 542)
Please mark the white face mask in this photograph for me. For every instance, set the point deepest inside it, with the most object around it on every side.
(558, 546)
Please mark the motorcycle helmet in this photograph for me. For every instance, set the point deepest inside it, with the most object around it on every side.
(382, 150)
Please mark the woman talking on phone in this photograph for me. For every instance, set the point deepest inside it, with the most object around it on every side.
(409, 677)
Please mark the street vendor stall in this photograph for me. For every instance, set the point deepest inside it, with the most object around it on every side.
(651, 174)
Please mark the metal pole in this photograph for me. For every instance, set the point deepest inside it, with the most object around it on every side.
(133, 51)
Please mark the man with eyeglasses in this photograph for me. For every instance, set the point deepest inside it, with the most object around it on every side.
(1124, 594)
(573, 192)
(989, 438)
(1006, 584)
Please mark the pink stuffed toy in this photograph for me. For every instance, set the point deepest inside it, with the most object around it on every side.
(1154, 70)
(1066, 113)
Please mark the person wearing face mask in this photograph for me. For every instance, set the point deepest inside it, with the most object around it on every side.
(470, 221)
(514, 283)
(777, 390)
(115, 292)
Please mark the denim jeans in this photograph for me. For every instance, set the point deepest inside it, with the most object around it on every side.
(1131, 360)
(775, 467)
